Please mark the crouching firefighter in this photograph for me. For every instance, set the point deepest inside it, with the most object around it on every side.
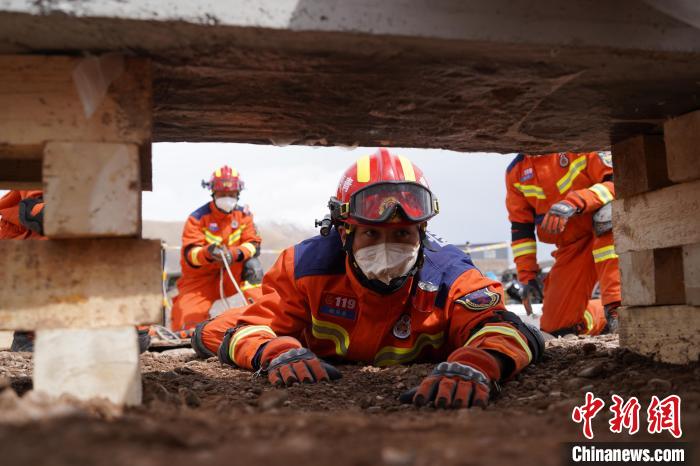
(379, 289)
(219, 231)
(566, 197)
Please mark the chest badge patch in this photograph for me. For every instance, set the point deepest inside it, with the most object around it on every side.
(234, 224)
(563, 160)
(213, 226)
(402, 327)
(480, 300)
(334, 305)
(527, 175)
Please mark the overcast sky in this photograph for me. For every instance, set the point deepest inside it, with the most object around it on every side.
(293, 184)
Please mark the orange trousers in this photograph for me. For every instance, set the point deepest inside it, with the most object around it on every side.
(196, 296)
(568, 287)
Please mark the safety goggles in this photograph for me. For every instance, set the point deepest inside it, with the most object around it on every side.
(380, 202)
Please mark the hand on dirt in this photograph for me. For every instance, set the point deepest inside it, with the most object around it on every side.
(299, 365)
(451, 386)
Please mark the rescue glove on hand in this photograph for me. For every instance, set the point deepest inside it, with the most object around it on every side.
(287, 363)
(559, 214)
(215, 251)
(532, 290)
(466, 379)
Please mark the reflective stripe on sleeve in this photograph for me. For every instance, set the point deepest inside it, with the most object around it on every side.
(604, 254)
(576, 167)
(194, 252)
(602, 192)
(503, 330)
(530, 190)
(522, 249)
(250, 247)
(244, 332)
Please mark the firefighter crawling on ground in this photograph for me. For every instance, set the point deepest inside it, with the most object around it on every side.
(221, 230)
(378, 288)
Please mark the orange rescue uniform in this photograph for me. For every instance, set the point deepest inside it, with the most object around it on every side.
(199, 285)
(13, 225)
(312, 294)
(534, 184)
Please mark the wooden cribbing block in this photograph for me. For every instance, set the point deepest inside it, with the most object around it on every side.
(79, 283)
(91, 363)
(91, 190)
(691, 273)
(78, 99)
(639, 165)
(652, 277)
(682, 136)
(658, 219)
(666, 333)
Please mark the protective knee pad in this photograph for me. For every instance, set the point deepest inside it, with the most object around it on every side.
(253, 271)
(197, 343)
(602, 220)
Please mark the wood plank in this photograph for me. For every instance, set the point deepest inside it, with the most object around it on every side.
(49, 98)
(651, 278)
(682, 136)
(79, 283)
(666, 333)
(658, 219)
(102, 363)
(691, 273)
(91, 190)
(639, 165)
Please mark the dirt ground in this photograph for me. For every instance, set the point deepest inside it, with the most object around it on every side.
(199, 411)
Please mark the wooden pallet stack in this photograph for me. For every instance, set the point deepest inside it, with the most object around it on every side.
(80, 129)
(656, 220)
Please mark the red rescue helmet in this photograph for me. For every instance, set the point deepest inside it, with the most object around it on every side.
(383, 188)
(224, 179)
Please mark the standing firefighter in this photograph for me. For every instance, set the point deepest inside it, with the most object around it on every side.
(567, 197)
(220, 227)
(377, 288)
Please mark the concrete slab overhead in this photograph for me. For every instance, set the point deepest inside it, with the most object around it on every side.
(466, 75)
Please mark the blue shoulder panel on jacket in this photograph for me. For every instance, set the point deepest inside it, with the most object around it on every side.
(320, 255)
(202, 211)
(518, 158)
(444, 263)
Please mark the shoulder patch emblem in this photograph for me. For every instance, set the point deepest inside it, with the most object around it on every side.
(606, 158)
(479, 300)
(402, 327)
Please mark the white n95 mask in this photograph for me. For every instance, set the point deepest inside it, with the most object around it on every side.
(386, 261)
(226, 203)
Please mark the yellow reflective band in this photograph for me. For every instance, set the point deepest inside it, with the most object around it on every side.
(248, 286)
(589, 320)
(522, 249)
(234, 172)
(391, 355)
(211, 238)
(236, 235)
(530, 190)
(576, 167)
(602, 192)
(503, 330)
(244, 332)
(363, 169)
(604, 254)
(249, 246)
(407, 167)
(193, 255)
(218, 172)
(329, 331)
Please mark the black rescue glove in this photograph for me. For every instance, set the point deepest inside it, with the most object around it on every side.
(214, 251)
(296, 365)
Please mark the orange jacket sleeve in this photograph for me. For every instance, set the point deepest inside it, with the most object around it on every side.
(10, 205)
(479, 319)
(522, 220)
(282, 310)
(250, 238)
(599, 169)
(194, 246)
